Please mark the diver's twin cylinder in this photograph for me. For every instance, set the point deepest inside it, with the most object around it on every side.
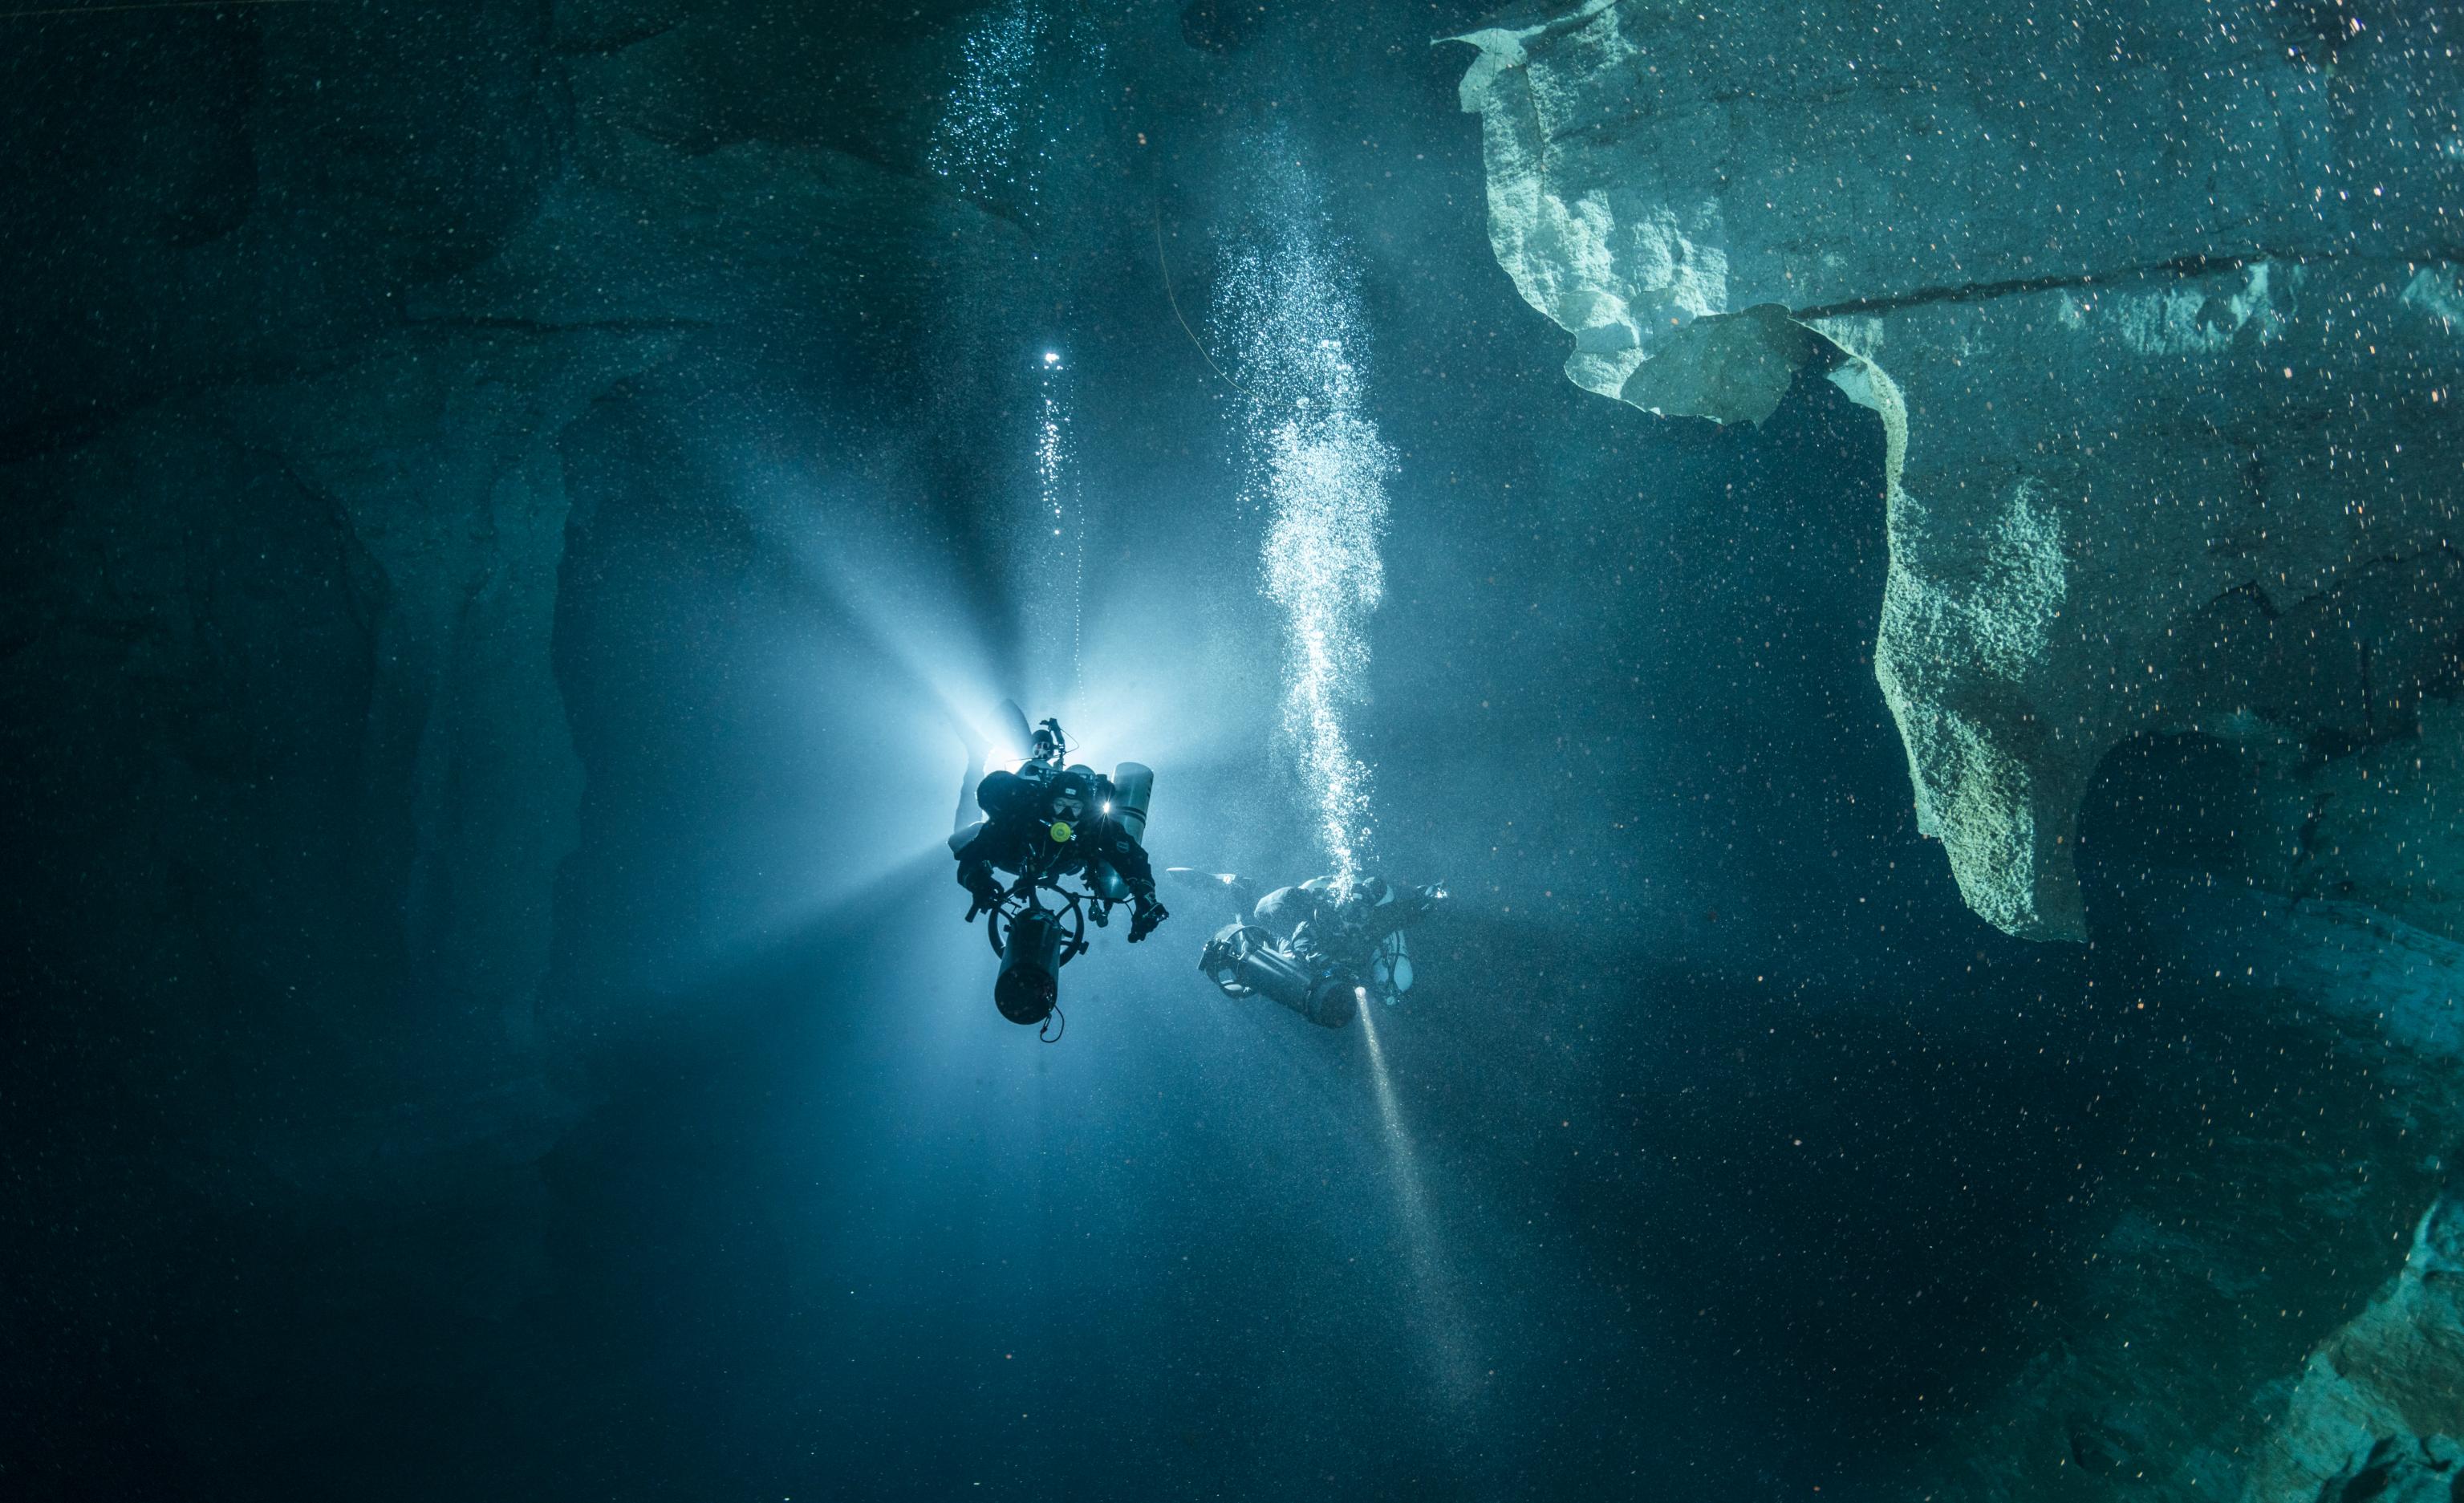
(1029, 982)
(1132, 787)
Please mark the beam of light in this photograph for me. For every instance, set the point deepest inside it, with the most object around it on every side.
(909, 688)
(898, 688)
(1290, 312)
(1438, 1313)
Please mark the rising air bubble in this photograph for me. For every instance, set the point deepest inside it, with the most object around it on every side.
(1288, 309)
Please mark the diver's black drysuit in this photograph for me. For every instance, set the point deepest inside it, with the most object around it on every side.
(1020, 829)
(1317, 918)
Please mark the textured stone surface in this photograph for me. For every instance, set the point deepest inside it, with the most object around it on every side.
(2379, 1406)
(2158, 310)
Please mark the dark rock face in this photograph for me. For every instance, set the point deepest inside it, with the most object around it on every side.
(2378, 1405)
(308, 304)
(227, 193)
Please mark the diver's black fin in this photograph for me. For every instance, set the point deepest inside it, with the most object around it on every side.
(969, 814)
(1011, 721)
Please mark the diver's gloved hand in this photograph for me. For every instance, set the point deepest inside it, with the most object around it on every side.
(988, 897)
(1144, 918)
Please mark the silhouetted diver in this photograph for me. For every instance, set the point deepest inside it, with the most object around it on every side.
(1048, 823)
(1321, 948)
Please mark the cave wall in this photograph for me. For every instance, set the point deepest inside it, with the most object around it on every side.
(2157, 308)
(306, 304)
(299, 339)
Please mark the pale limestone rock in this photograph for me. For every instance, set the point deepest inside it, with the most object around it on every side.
(2159, 312)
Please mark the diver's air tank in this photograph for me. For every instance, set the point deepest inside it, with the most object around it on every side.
(1029, 982)
(1132, 785)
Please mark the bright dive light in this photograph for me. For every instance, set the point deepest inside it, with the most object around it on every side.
(1052, 357)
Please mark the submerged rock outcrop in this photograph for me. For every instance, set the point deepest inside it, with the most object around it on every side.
(2162, 311)
(287, 493)
(2379, 1405)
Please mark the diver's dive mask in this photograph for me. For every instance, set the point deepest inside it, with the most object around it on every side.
(1067, 808)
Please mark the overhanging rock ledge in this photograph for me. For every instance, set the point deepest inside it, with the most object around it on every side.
(2162, 310)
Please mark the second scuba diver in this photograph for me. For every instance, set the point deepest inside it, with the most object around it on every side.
(1322, 948)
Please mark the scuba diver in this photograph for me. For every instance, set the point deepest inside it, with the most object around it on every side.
(1050, 821)
(1321, 948)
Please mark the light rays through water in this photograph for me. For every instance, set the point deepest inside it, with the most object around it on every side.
(1439, 1313)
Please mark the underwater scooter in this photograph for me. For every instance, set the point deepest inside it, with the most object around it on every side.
(1246, 961)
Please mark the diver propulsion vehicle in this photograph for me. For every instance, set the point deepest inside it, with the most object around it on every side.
(1246, 961)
